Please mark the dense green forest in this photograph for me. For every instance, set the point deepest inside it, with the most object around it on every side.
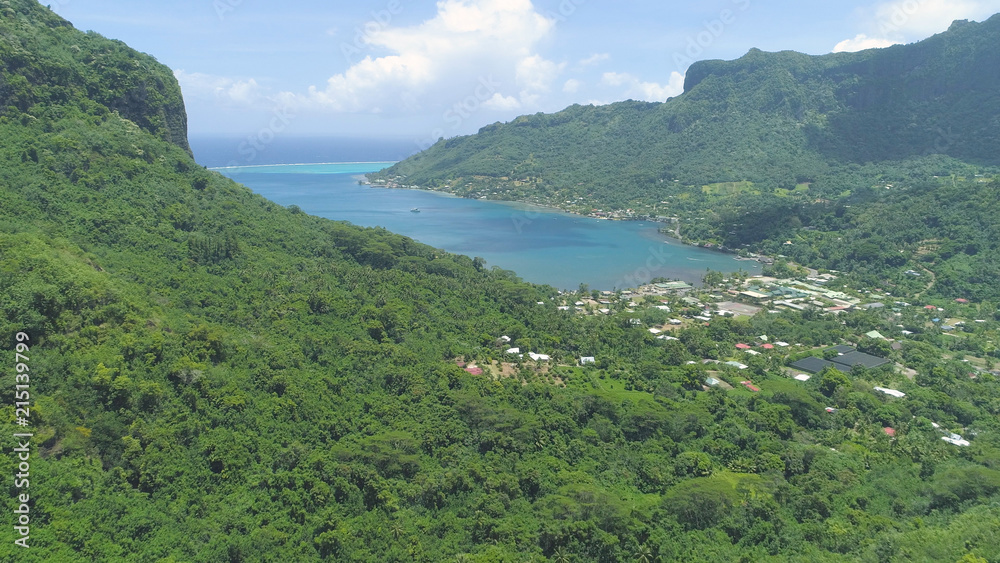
(216, 378)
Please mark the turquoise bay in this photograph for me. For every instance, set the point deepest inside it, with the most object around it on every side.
(541, 244)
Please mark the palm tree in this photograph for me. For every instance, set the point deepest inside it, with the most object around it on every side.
(560, 556)
(396, 530)
(643, 555)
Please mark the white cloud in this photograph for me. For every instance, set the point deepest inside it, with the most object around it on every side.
(860, 43)
(594, 59)
(647, 91)
(500, 102)
(229, 91)
(447, 58)
(917, 19)
(904, 21)
(572, 86)
(534, 77)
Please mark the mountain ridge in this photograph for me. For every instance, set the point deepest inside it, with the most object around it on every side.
(776, 119)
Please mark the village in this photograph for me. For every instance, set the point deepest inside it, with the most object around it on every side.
(663, 309)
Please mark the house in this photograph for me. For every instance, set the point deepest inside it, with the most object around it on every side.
(737, 365)
(712, 382)
(815, 365)
(749, 385)
(655, 331)
(742, 346)
(754, 295)
(867, 361)
(803, 377)
(673, 286)
(584, 360)
(890, 392)
(513, 351)
(538, 357)
(875, 334)
(956, 440)
(891, 432)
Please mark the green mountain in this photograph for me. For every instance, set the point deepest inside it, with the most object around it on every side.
(212, 377)
(841, 153)
(775, 119)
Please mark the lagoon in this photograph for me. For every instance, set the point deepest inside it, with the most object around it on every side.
(541, 245)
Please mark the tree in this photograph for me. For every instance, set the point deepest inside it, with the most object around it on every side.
(830, 379)
(712, 278)
(643, 554)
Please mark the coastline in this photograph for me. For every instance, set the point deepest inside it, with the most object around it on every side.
(763, 260)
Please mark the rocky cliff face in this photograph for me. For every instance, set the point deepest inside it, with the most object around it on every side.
(45, 62)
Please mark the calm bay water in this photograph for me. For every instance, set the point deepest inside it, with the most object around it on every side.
(540, 244)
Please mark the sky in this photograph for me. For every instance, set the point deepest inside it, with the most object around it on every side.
(422, 70)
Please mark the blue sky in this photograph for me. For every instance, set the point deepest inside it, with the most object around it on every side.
(423, 70)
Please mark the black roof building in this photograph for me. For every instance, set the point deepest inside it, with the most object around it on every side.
(851, 359)
(816, 365)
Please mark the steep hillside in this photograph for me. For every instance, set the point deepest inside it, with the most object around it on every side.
(212, 377)
(776, 119)
(44, 61)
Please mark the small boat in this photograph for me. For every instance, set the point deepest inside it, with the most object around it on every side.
(415, 210)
